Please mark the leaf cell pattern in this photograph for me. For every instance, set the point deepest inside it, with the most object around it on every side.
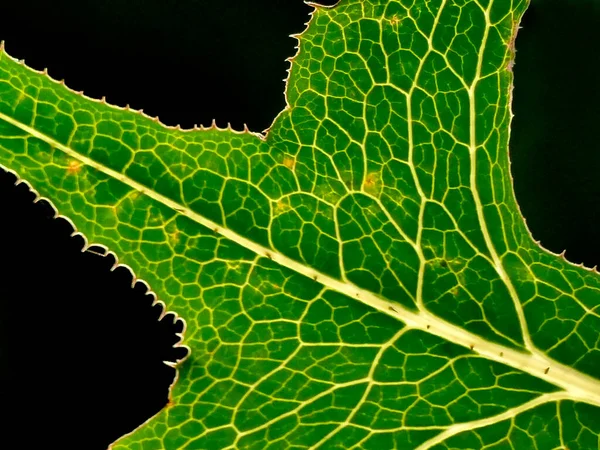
(358, 277)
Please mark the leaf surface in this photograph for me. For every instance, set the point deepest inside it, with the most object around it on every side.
(358, 277)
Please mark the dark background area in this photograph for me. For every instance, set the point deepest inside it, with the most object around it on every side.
(80, 350)
(555, 137)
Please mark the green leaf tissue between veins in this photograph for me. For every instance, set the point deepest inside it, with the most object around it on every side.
(360, 275)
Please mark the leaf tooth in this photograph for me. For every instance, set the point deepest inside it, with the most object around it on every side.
(591, 269)
(98, 249)
(127, 107)
(229, 128)
(104, 251)
(102, 100)
(563, 256)
(61, 82)
(319, 6)
(297, 36)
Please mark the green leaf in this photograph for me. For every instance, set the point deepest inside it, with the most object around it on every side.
(358, 277)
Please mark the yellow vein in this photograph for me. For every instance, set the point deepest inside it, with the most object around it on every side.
(477, 200)
(580, 386)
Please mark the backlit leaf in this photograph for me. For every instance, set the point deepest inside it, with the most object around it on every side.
(360, 275)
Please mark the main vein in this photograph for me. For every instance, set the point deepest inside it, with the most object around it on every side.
(578, 385)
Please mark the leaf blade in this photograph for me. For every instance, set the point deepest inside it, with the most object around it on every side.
(201, 214)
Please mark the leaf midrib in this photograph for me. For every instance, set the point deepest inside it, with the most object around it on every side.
(577, 385)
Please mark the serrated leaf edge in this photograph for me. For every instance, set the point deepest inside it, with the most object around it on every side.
(576, 385)
(134, 280)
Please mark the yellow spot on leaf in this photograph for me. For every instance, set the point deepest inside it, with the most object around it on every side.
(234, 265)
(174, 236)
(155, 219)
(326, 192)
(372, 183)
(282, 206)
(289, 162)
(74, 167)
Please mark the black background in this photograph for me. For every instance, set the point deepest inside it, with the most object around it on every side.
(81, 351)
